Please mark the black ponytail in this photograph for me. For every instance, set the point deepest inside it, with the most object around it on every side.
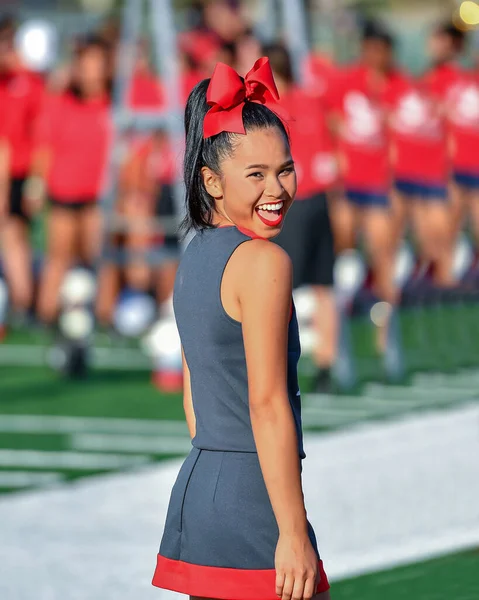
(211, 152)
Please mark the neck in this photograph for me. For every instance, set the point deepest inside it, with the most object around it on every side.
(442, 62)
(221, 219)
(92, 91)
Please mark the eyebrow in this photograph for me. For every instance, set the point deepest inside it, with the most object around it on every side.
(286, 164)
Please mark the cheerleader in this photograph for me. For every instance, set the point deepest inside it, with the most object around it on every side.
(236, 526)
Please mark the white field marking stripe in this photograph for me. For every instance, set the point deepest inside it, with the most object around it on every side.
(463, 376)
(387, 406)
(371, 403)
(335, 412)
(18, 354)
(130, 443)
(63, 425)
(121, 358)
(415, 551)
(13, 354)
(373, 407)
(81, 461)
(320, 417)
(452, 387)
(408, 392)
(19, 479)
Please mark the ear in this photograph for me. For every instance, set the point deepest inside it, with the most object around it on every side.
(212, 183)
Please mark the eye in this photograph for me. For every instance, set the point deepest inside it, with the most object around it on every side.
(256, 175)
(288, 170)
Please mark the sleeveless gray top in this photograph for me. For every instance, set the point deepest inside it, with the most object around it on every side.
(214, 350)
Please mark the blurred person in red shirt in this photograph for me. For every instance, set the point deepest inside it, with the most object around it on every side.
(146, 91)
(458, 90)
(219, 22)
(360, 107)
(72, 143)
(420, 168)
(306, 235)
(320, 77)
(146, 183)
(247, 50)
(445, 46)
(20, 98)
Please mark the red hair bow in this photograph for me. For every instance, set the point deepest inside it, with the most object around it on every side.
(227, 94)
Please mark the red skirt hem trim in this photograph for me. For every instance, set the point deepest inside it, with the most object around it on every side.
(219, 582)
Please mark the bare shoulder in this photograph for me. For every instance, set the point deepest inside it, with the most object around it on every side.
(262, 259)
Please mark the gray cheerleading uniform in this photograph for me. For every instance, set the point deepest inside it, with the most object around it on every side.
(221, 533)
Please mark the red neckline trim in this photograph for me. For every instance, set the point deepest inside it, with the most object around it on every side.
(245, 231)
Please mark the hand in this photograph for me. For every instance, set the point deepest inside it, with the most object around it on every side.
(296, 565)
(3, 204)
(34, 190)
(32, 205)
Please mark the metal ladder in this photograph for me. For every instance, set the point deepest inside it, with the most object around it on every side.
(127, 119)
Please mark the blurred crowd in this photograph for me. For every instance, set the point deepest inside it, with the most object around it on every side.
(394, 154)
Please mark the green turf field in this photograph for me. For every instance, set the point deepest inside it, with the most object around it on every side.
(438, 344)
(452, 577)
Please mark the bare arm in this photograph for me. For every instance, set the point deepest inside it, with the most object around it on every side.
(264, 293)
(4, 176)
(187, 399)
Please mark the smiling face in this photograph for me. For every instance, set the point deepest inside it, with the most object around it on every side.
(257, 183)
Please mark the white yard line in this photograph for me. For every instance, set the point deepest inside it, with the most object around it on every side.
(21, 355)
(432, 393)
(64, 425)
(21, 479)
(81, 461)
(459, 378)
(130, 443)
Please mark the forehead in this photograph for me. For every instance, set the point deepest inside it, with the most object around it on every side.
(261, 146)
(92, 53)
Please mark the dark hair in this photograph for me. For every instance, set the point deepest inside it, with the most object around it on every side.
(456, 35)
(89, 42)
(373, 30)
(210, 152)
(280, 60)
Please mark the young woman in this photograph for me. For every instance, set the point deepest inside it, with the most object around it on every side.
(72, 145)
(20, 98)
(236, 525)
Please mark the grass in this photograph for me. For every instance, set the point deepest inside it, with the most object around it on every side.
(453, 577)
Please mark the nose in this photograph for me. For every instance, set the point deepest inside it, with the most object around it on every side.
(274, 188)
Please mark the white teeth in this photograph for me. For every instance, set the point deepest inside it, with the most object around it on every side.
(277, 206)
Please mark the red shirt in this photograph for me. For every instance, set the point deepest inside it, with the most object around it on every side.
(418, 133)
(147, 91)
(363, 140)
(311, 143)
(20, 99)
(463, 115)
(78, 135)
(159, 160)
(320, 76)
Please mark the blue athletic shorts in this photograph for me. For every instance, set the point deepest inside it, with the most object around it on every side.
(367, 198)
(426, 191)
(467, 179)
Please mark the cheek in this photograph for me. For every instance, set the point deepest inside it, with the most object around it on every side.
(241, 193)
(291, 185)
